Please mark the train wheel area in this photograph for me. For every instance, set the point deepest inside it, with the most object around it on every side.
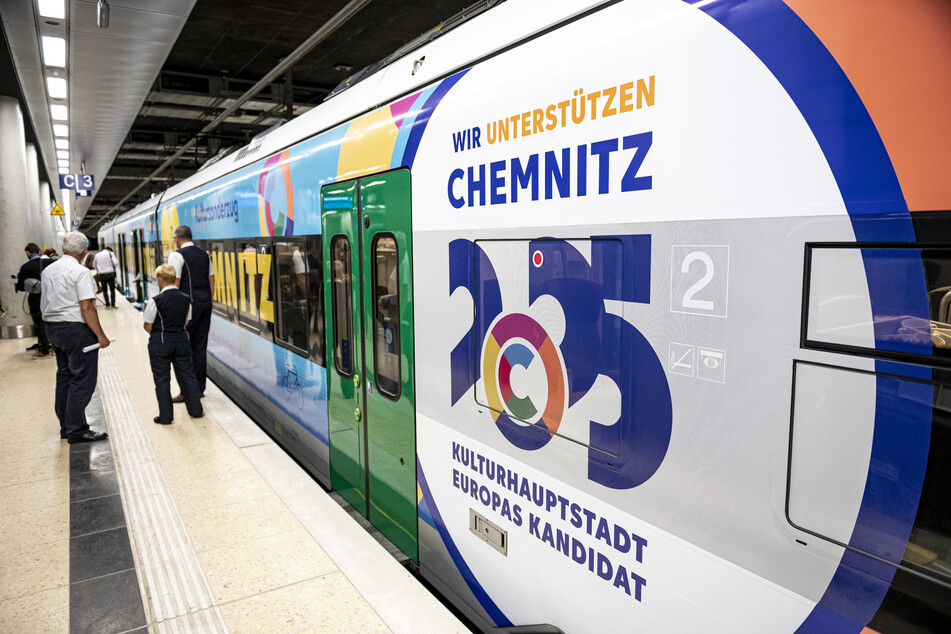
(204, 525)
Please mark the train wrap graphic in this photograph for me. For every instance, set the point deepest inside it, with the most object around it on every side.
(612, 316)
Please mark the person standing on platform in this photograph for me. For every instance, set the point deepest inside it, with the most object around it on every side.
(166, 316)
(105, 264)
(28, 281)
(195, 276)
(68, 305)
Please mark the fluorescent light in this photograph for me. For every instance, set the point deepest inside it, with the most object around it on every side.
(63, 163)
(59, 112)
(64, 170)
(64, 154)
(60, 129)
(52, 8)
(56, 87)
(61, 144)
(54, 51)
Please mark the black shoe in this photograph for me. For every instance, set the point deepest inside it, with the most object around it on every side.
(35, 346)
(88, 436)
(201, 415)
(161, 422)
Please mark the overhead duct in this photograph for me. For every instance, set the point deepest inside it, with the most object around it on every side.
(334, 23)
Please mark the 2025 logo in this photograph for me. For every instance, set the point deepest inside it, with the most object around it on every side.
(531, 378)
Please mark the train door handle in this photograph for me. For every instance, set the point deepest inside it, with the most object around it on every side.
(356, 414)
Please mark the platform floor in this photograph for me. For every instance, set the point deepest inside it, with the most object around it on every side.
(204, 525)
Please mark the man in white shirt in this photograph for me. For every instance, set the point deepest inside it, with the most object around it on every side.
(72, 323)
(105, 264)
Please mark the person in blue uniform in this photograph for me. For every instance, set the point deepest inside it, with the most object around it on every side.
(195, 276)
(166, 316)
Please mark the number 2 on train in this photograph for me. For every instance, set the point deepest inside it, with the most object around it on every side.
(699, 279)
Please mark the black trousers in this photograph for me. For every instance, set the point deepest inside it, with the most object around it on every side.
(197, 330)
(174, 351)
(76, 374)
(108, 281)
(38, 323)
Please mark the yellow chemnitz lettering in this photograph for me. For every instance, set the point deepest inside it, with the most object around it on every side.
(242, 281)
(247, 270)
(267, 306)
(230, 295)
(582, 107)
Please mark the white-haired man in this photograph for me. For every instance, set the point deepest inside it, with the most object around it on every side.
(72, 323)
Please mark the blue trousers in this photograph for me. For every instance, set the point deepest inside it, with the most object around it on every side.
(197, 330)
(76, 374)
(174, 351)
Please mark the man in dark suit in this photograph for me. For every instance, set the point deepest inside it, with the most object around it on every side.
(30, 275)
(195, 276)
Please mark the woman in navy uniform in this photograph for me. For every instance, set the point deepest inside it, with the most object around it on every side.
(165, 317)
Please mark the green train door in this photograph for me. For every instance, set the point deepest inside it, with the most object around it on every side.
(123, 281)
(139, 265)
(368, 282)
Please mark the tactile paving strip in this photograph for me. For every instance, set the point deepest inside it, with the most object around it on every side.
(175, 591)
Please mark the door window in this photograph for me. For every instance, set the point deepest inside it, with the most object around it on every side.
(342, 298)
(386, 315)
(315, 299)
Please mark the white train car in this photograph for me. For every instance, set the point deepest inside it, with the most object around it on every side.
(616, 316)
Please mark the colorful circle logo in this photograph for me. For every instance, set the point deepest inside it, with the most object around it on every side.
(283, 225)
(516, 344)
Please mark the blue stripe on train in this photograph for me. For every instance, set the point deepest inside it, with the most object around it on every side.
(873, 198)
(496, 614)
(422, 117)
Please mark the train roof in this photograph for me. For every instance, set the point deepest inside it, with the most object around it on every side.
(485, 32)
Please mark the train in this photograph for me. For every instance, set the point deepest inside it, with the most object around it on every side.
(611, 315)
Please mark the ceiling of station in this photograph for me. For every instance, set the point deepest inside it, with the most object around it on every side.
(143, 87)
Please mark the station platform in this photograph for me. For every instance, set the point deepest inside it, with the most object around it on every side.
(204, 525)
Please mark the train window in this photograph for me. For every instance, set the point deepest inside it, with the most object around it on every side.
(315, 299)
(937, 264)
(342, 304)
(292, 291)
(224, 299)
(249, 287)
(839, 311)
(841, 472)
(255, 287)
(386, 314)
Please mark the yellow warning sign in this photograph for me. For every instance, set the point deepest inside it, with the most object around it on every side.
(57, 210)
